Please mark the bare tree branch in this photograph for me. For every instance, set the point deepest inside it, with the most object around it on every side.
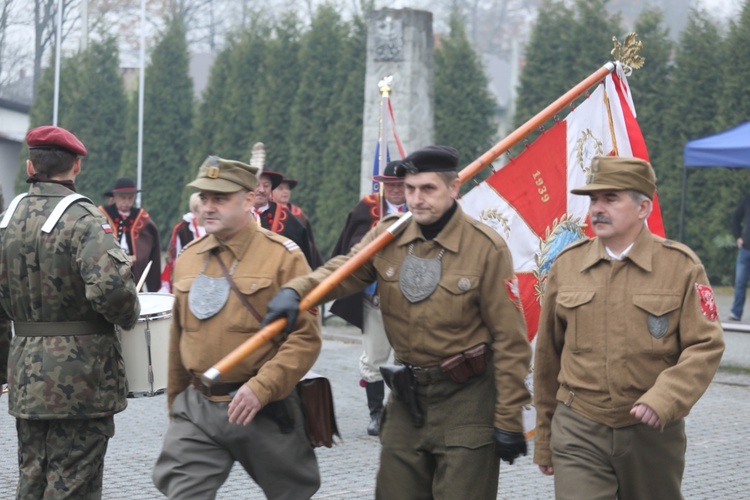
(45, 18)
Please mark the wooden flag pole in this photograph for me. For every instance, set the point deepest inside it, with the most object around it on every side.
(532, 124)
(316, 294)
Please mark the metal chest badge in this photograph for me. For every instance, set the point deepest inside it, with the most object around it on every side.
(657, 325)
(418, 278)
(208, 295)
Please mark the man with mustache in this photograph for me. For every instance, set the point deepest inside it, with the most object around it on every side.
(628, 341)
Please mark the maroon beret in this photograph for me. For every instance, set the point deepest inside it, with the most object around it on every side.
(51, 137)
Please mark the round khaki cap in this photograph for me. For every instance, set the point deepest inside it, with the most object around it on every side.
(618, 173)
(225, 176)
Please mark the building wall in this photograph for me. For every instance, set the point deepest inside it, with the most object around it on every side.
(13, 126)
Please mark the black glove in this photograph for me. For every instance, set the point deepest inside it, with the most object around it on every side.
(284, 305)
(509, 445)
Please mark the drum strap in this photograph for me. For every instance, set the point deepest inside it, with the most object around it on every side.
(236, 290)
(61, 328)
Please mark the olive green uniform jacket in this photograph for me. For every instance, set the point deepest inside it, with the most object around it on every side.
(77, 272)
(613, 334)
(471, 304)
(265, 261)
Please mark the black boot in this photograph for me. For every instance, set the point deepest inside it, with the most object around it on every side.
(375, 393)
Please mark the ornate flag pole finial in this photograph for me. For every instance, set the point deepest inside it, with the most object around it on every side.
(627, 53)
(385, 86)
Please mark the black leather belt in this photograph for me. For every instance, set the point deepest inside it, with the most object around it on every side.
(216, 389)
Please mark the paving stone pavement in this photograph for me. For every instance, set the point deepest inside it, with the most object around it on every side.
(717, 457)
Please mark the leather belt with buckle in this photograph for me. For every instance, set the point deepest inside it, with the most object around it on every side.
(216, 389)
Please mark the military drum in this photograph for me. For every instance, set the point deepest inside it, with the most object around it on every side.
(145, 348)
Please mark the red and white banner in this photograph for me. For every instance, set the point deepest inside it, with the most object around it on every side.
(528, 201)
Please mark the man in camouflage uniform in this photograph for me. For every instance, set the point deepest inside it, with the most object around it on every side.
(5, 336)
(65, 283)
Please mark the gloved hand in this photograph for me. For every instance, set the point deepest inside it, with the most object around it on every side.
(509, 445)
(284, 305)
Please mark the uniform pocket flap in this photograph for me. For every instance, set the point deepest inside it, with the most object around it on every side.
(657, 305)
(119, 255)
(469, 436)
(250, 285)
(575, 298)
(459, 284)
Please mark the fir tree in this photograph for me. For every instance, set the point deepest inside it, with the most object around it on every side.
(341, 159)
(168, 113)
(209, 116)
(649, 86)
(322, 48)
(99, 117)
(463, 105)
(734, 105)
(276, 90)
(235, 134)
(694, 93)
(544, 76)
(567, 45)
(41, 112)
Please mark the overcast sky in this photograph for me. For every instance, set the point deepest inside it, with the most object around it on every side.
(722, 8)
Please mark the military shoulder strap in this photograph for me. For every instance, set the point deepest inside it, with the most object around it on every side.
(11, 210)
(60, 209)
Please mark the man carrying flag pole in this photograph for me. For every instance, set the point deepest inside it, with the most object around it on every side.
(446, 289)
(366, 252)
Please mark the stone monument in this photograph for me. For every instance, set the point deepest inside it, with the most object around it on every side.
(399, 44)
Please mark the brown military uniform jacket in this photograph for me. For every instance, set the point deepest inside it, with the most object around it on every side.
(265, 262)
(613, 334)
(469, 306)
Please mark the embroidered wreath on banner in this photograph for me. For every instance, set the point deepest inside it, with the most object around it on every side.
(494, 217)
(587, 146)
(561, 234)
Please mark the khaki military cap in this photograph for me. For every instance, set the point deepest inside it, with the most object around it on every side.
(225, 176)
(619, 173)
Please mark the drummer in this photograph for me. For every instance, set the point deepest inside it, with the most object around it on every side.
(254, 415)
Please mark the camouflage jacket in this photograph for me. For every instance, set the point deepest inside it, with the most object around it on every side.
(77, 272)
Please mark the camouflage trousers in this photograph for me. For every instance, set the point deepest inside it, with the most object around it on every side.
(62, 458)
